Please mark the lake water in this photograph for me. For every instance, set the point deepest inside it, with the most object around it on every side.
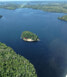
(49, 55)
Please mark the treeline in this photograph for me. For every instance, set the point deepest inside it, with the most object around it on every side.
(50, 7)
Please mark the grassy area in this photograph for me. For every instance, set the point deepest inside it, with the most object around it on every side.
(14, 65)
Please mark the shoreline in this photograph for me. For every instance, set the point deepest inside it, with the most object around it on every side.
(29, 40)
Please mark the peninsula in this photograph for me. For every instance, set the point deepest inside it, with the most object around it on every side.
(64, 18)
(29, 36)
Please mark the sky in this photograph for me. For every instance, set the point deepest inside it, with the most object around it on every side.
(33, 0)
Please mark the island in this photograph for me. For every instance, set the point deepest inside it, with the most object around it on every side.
(29, 36)
(1, 16)
(14, 65)
(64, 18)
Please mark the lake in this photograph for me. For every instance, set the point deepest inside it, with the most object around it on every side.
(49, 55)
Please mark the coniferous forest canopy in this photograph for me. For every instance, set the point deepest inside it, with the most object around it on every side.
(14, 65)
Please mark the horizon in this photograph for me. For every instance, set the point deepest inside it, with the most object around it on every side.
(33, 0)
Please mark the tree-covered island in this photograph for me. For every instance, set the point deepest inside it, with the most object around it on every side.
(29, 36)
(14, 65)
(64, 18)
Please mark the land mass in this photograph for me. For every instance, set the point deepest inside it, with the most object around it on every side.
(55, 7)
(64, 18)
(29, 36)
(14, 65)
(58, 7)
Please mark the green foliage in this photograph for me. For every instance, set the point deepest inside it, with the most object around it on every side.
(29, 35)
(63, 18)
(14, 65)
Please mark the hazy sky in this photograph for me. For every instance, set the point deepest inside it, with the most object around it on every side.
(33, 0)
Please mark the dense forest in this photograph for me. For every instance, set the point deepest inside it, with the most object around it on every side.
(14, 65)
(29, 35)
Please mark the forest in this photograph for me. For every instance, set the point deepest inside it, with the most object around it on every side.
(14, 65)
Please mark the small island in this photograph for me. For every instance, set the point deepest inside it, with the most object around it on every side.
(1, 16)
(64, 18)
(29, 36)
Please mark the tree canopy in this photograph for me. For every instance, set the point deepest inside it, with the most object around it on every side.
(14, 65)
(29, 35)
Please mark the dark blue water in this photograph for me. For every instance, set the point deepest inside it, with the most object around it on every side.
(49, 55)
